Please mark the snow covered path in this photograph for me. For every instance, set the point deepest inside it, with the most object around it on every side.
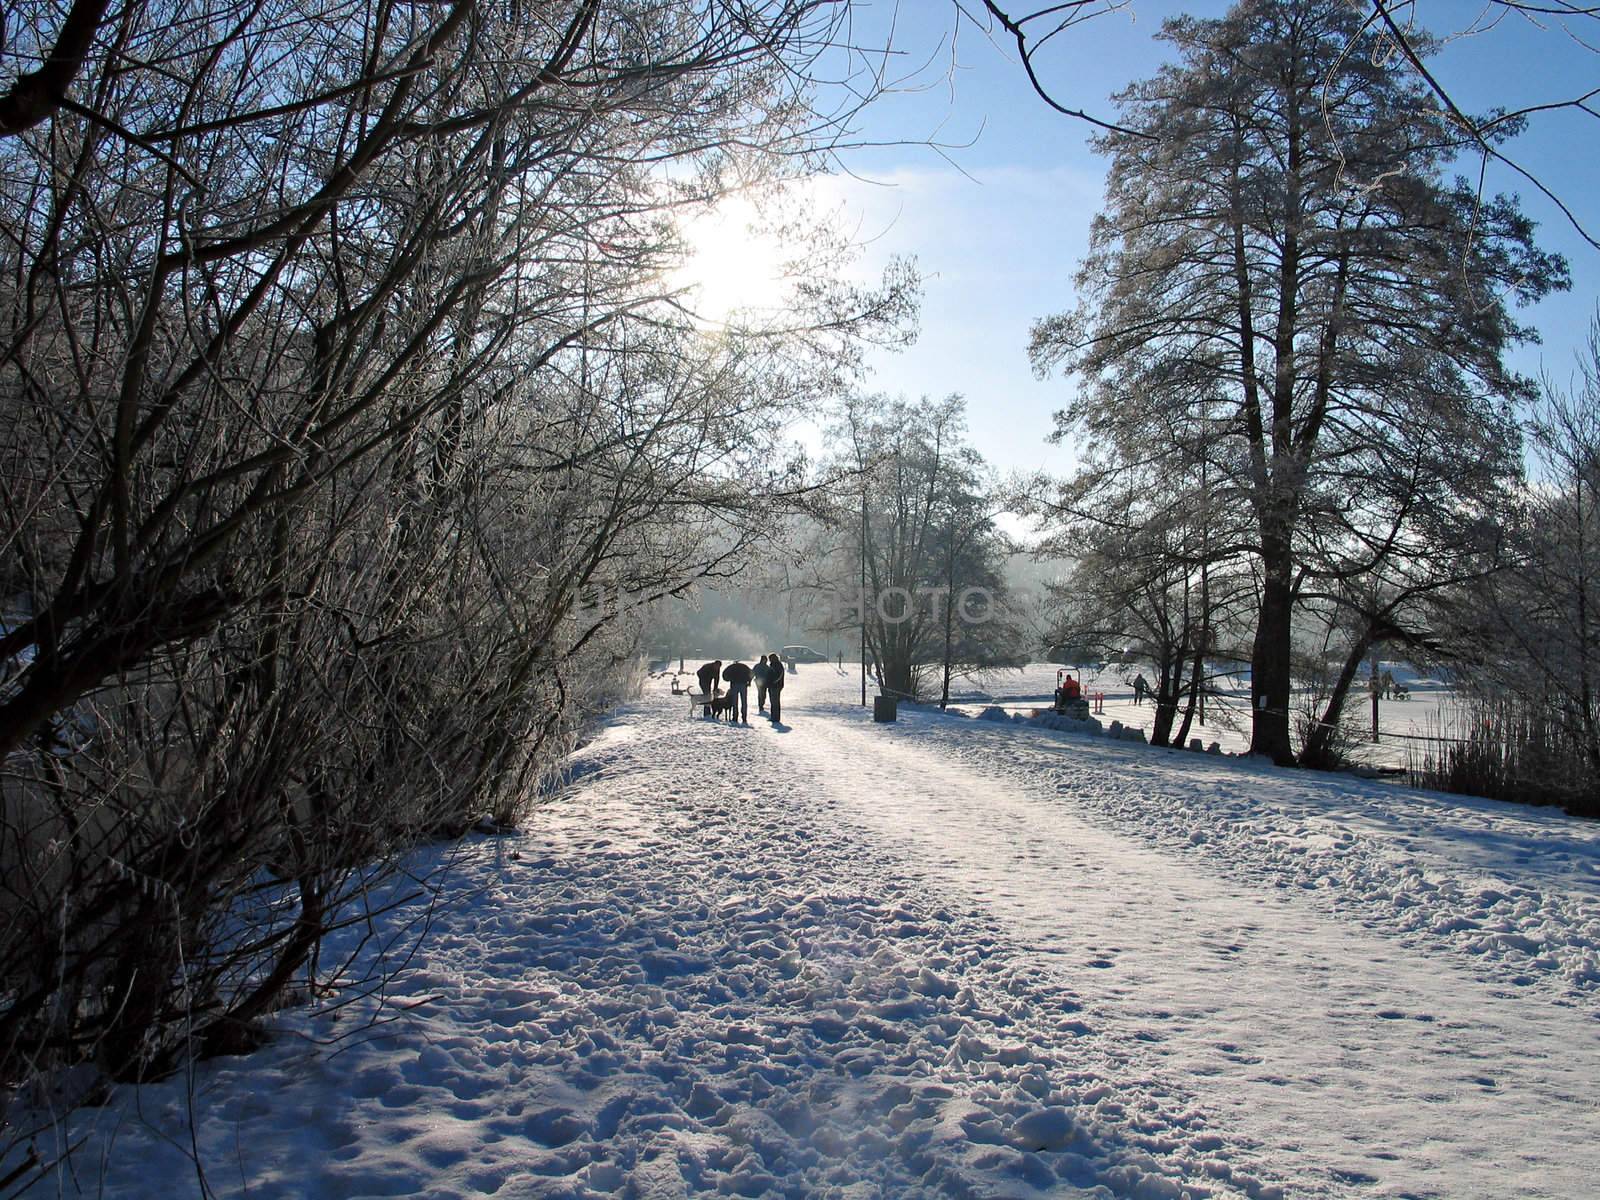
(1360, 1064)
(940, 958)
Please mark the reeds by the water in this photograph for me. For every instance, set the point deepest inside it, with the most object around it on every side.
(1512, 750)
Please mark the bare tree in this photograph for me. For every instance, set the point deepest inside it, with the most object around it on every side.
(908, 552)
(1528, 635)
(1158, 574)
(1546, 40)
(348, 419)
(1349, 332)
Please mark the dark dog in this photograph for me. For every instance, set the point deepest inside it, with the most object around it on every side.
(722, 707)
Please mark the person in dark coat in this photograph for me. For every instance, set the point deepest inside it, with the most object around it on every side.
(775, 685)
(708, 675)
(738, 676)
(758, 674)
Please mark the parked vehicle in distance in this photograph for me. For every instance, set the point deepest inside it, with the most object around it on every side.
(801, 654)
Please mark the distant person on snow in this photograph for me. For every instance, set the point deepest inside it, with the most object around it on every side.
(708, 676)
(1141, 689)
(738, 676)
(759, 674)
(775, 685)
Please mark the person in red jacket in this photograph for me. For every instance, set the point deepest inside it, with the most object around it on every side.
(737, 676)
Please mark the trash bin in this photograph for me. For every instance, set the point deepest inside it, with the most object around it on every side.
(885, 708)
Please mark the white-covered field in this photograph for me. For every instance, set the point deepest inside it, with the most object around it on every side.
(1409, 726)
(941, 957)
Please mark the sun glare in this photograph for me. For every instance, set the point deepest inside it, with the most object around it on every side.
(732, 265)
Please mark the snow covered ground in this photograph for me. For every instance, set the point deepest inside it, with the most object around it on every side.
(941, 957)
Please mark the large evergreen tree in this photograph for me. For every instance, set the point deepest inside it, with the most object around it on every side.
(1279, 241)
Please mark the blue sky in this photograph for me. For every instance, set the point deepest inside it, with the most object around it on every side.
(999, 218)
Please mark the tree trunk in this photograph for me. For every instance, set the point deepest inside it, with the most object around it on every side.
(944, 695)
(1269, 658)
(1316, 751)
(1586, 691)
(1166, 701)
(1196, 682)
(1161, 728)
(949, 610)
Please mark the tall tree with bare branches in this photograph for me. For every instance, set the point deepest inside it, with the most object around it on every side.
(1278, 240)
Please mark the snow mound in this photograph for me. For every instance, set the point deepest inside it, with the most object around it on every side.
(1050, 720)
(1043, 1129)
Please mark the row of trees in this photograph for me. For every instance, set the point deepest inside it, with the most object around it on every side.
(1527, 638)
(897, 553)
(897, 558)
(339, 376)
(1291, 342)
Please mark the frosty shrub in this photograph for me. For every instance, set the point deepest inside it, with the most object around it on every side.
(337, 366)
(1513, 751)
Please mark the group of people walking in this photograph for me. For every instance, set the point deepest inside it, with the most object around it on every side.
(767, 675)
